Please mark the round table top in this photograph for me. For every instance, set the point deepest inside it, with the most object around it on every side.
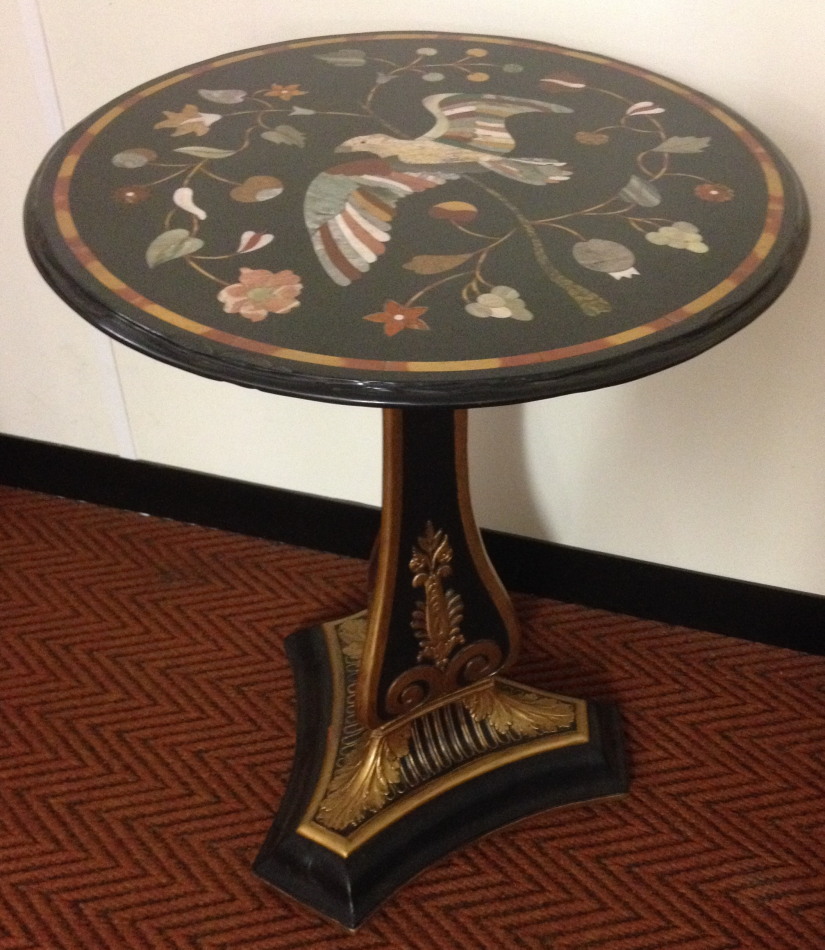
(417, 219)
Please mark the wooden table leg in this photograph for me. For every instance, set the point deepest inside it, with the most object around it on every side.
(411, 739)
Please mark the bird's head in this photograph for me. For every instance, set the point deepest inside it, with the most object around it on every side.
(377, 144)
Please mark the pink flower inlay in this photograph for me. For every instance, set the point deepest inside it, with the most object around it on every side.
(260, 292)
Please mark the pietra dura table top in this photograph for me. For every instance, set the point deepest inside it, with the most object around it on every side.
(424, 222)
(417, 219)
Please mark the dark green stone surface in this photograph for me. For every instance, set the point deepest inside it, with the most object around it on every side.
(642, 154)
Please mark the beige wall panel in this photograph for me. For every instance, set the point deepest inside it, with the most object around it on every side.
(55, 371)
(204, 425)
(715, 465)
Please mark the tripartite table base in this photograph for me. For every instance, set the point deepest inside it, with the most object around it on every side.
(411, 740)
(366, 810)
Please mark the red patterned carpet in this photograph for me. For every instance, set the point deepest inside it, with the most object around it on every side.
(146, 731)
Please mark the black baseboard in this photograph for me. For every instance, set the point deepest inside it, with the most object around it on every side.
(755, 612)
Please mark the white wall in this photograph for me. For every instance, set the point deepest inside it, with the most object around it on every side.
(717, 465)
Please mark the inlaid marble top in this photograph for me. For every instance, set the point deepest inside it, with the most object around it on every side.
(417, 219)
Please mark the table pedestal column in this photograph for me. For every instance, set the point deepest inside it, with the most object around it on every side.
(411, 740)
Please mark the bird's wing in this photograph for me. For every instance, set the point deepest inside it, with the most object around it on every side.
(480, 121)
(349, 211)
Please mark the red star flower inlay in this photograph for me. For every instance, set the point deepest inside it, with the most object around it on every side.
(397, 317)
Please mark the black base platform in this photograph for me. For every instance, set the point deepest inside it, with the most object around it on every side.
(366, 811)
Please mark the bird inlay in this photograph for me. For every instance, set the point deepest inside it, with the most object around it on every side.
(349, 208)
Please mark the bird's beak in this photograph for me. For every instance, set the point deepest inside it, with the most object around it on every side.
(343, 147)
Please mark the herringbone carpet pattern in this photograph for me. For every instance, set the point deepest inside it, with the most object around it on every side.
(146, 730)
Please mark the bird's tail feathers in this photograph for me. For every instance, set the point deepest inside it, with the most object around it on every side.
(529, 171)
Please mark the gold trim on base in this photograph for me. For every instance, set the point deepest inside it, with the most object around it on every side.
(370, 778)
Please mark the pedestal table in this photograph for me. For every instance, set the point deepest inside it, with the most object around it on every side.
(427, 223)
